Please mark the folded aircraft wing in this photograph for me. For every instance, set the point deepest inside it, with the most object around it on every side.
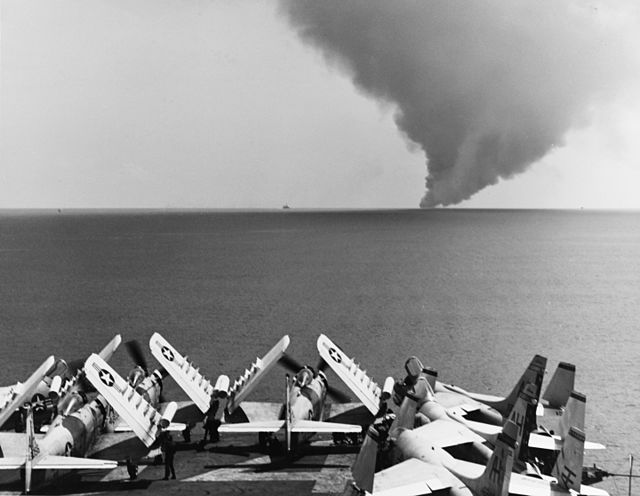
(411, 478)
(356, 379)
(20, 393)
(126, 401)
(247, 382)
(188, 377)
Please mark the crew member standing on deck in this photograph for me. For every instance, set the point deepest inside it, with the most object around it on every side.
(168, 448)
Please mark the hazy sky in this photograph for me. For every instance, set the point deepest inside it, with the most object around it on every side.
(216, 104)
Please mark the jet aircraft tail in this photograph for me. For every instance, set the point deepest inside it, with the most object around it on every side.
(572, 416)
(559, 388)
(497, 474)
(568, 467)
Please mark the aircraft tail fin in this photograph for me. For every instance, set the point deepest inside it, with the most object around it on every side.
(523, 415)
(247, 382)
(287, 413)
(20, 393)
(560, 386)
(364, 467)
(144, 419)
(32, 451)
(568, 467)
(497, 474)
(534, 374)
(573, 415)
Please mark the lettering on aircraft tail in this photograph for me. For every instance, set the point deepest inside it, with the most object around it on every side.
(497, 469)
(567, 476)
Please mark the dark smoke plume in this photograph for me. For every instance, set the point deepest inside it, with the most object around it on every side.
(485, 88)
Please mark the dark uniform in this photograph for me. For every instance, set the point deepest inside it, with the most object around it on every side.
(168, 449)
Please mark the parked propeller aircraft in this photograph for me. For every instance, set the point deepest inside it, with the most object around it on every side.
(425, 466)
(222, 399)
(61, 388)
(302, 413)
(69, 438)
(129, 400)
(13, 397)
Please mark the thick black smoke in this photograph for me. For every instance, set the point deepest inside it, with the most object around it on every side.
(485, 88)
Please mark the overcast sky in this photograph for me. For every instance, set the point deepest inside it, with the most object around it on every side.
(254, 104)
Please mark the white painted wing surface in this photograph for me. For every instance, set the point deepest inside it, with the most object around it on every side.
(188, 377)
(247, 382)
(410, 478)
(107, 352)
(356, 379)
(554, 443)
(129, 404)
(21, 393)
(55, 462)
(443, 433)
(265, 426)
(317, 426)
(523, 485)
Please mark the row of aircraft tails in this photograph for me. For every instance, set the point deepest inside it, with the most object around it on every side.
(422, 436)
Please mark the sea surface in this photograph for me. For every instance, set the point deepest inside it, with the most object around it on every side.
(473, 293)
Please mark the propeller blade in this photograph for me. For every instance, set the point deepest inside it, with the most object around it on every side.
(322, 365)
(137, 355)
(75, 365)
(338, 395)
(290, 363)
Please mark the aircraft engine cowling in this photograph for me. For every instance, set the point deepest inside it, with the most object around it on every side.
(71, 402)
(387, 388)
(221, 389)
(168, 414)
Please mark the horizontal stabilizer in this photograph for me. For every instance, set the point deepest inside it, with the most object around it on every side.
(356, 379)
(247, 382)
(12, 462)
(197, 387)
(317, 426)
(20, 393)
(265, 426)
(554, 443)
(52, 462)
(126, 401)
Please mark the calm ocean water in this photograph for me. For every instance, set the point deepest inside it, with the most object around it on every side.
(472, 293)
